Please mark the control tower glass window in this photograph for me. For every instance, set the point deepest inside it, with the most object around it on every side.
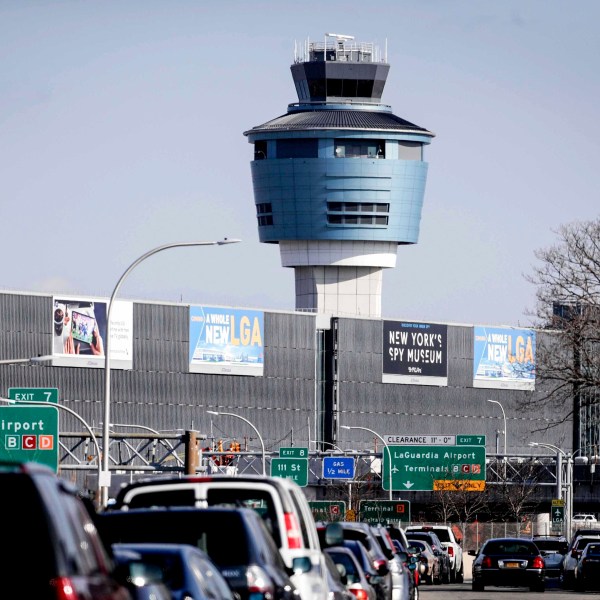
(264, 214)
(357, 213)
(298, 148)
(260, 150)
(410, 150)
(360, 148)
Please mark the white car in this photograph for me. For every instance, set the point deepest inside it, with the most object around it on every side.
(452, 545)
(581, 518)
(281, 503)
(567, 573)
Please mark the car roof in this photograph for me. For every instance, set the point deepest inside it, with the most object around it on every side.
(161, 547)
(186, 524)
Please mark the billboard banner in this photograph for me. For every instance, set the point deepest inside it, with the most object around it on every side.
(226, 341)
(79, 331)
(504, 358)
(415, 353)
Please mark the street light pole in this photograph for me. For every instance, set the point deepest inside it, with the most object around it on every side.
(504, 417)
(387, 448)
(104, 483)
(568, 501)
(32, 360)
(262, 444)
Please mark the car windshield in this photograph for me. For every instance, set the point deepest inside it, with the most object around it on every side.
(583, 542)
(509, 547)
(443, 535)
(552, 546)
(420, 546)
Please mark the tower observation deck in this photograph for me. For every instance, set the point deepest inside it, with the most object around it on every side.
(339, 180)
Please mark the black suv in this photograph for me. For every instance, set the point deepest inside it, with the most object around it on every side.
(236, 540)
(50, 546)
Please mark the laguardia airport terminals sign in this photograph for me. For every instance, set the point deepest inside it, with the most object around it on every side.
(422, 463)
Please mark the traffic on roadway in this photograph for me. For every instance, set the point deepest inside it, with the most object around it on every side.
(255, 537)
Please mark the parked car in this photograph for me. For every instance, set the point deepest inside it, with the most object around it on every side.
(451, 543)
(508, 562)
(338, 532)
(280, 502)
(438, 549)
(587, 570)
(50, 545)
(567, 572)
(431, 562)
(553, 549)
(186, 571)
(235, 539)
(583, 518)
(337, 582)
(350, 568)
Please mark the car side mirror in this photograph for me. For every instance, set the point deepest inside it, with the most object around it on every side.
(334, 534)
(342, 571)
(301, 564)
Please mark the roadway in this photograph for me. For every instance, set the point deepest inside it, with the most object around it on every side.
(462, 591)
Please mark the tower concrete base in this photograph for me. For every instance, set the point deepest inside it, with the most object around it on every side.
(343, 291)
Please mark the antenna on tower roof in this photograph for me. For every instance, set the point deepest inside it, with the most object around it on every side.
(340, 36)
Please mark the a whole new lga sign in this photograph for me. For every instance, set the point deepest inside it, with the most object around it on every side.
(434, 462)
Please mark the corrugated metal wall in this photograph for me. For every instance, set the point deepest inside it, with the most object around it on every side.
(457, 408)
(159, 393)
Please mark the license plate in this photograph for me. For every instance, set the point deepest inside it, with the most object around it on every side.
(511, 565)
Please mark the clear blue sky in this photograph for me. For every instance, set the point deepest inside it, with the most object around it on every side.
(121, 129)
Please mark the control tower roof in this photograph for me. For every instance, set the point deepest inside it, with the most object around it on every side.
(339, 84)
(339, 119)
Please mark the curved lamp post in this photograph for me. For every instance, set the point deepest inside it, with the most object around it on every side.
(569, 456)
(504, 417)
(387, 448)
(104, 483)
(32, 360)
(333, 446)
(262, 444)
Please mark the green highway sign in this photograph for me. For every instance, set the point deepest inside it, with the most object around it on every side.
(324, 510)
(470, 440)
(34, 394)
(384, 511)
(291, 468)
(29, 434)
(293, 452)
(451, 467)
(558, 511)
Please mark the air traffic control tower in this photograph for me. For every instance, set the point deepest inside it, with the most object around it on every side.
(339, 179)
